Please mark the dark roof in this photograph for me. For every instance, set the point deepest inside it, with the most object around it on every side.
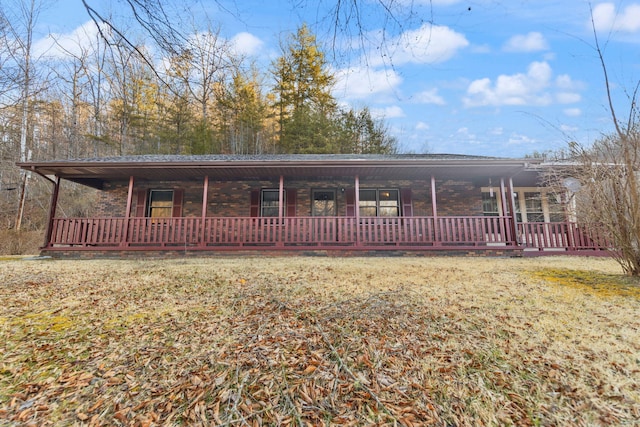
(172, 158)
(96, 171)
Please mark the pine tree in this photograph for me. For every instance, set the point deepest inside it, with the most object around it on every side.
(304, 103)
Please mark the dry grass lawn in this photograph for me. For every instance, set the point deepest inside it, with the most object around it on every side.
(319, 341)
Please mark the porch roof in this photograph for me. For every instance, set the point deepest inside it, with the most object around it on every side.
(95, 172)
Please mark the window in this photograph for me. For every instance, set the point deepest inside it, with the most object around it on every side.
(269, 200)
(160, 203)
(323, 203)
(556, 208)
(533, 203)
(379, 203)
(490, 204)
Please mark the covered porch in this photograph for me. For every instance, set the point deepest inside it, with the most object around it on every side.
(414, 233)
(433, 225)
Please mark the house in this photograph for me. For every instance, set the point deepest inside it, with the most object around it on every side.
(432, 203)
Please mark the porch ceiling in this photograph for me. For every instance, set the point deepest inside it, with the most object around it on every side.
(96, 172)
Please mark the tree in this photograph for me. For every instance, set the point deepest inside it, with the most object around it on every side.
(343, 22)
(132, 100)
(20, 28)
(243, 111)
(81, 74)
(362, 134)
(304, 101)
(604, 180)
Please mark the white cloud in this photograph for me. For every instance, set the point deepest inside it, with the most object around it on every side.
(422, 126)
(568, 97)
(568, 89)
(429, 44)
(391, 112)
(518, 139)
(565, 82)
(606, 18)
(532, 42)
(464, 133)
(246, 43)
(360, 82)
(481, 48)
(429, 97)
(568, 129)
(572, 112)
(61, 46)
(516, 89)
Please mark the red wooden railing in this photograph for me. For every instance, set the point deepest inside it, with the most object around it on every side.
(561, 235)
(304, 232)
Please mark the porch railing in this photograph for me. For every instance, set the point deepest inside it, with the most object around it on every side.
(561, 235)
(214, 232)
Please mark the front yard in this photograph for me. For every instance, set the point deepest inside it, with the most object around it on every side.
(319, 341)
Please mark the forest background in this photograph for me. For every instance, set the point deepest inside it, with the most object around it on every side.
(128, 93)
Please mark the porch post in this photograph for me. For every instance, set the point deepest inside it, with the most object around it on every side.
(505, 228)
(127, 214)
(205, 196)
(205, 201)
(434, 212)
(280, 226)
(357, 208)
(512, 205)
(503, 198)
(52, 212)
(281, 198)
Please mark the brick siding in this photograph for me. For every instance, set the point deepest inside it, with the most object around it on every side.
(232, 198)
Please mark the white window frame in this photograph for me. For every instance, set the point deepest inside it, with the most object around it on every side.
(521, 204)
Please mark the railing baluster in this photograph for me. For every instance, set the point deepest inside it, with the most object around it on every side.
(308, 231)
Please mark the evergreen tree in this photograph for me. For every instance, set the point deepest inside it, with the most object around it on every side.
(362, 134)
(304, 103)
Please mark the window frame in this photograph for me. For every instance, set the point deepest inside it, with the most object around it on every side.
(520, 194)
(276, 204)
(151, 206)
(333, 192)
(534, 199)
(377, 205)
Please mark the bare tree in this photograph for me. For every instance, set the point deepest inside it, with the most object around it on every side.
(604, 179)
(349, 25)
(20, 18)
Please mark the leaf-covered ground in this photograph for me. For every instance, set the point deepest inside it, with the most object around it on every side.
(319, 341)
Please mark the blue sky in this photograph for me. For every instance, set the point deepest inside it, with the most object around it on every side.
(484, 77)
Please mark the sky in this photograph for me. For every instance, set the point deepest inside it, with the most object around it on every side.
(497, 78)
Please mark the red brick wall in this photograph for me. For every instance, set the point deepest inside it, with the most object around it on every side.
(458, 198)
(232, 198)
(113, 200)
